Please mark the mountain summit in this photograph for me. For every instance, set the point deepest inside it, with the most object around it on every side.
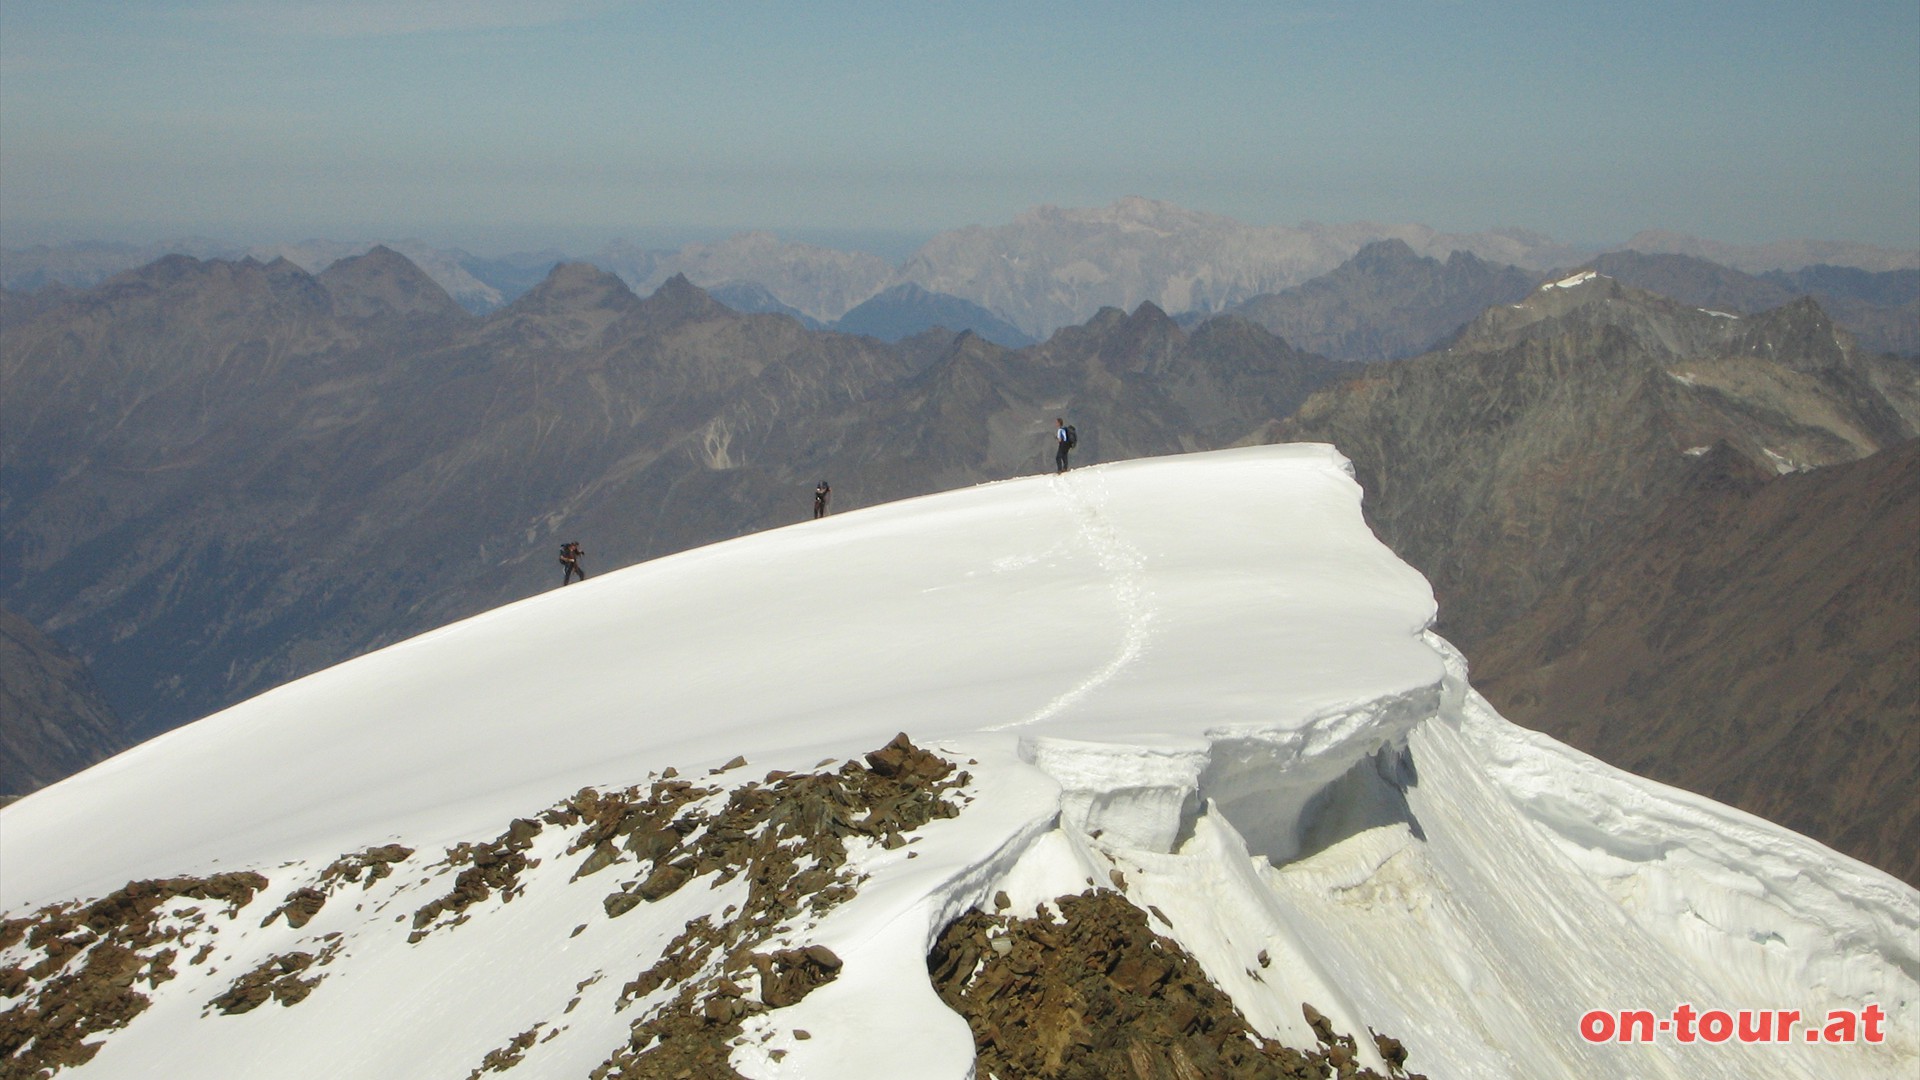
(384, 282)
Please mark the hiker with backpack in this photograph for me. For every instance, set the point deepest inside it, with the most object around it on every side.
(1067, 438)
(570, 554)
(820, 496)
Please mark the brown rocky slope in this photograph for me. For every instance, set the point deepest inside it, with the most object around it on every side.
(1756, 644)
(1557, 434)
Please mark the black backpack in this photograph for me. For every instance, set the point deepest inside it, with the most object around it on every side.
(1073, 437)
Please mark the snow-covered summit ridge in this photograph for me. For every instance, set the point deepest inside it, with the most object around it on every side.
(1164, 598)
(1200, 681)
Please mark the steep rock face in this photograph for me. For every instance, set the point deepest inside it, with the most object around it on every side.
(52, 720)
(1387, 302)
(1755, 642)
(1552, 436)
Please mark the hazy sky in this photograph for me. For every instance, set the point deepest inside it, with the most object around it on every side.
(501, 123)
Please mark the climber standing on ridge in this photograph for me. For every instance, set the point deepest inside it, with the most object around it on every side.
(570, 554)
(820, 496)
(1067, 439)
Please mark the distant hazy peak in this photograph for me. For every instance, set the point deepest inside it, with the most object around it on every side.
(679, 300)
(1392, 251)
(576, 286)
(1149, 314)
(384, 282)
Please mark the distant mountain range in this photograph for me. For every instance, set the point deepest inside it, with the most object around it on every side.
(1049, 268)
(220, 475)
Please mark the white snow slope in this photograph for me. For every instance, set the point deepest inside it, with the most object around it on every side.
(1203, 671)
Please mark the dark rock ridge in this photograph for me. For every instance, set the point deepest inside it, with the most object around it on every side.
(1563, 432)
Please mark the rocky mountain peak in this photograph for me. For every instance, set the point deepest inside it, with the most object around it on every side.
(383, 282)
(1582, 297)
(576, 286)
(1467, 260)
(678, 300)
(575, 307)
(1386, 256)
(1148, 316)
(1798, 334)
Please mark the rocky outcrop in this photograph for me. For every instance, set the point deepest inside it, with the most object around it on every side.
(1095, 992)
(77, 967)
(87, 960)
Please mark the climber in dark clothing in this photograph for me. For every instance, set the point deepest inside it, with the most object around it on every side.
(570, 554)
(820, 496)
(1066, 439)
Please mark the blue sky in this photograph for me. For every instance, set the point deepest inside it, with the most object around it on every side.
(509, 123)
